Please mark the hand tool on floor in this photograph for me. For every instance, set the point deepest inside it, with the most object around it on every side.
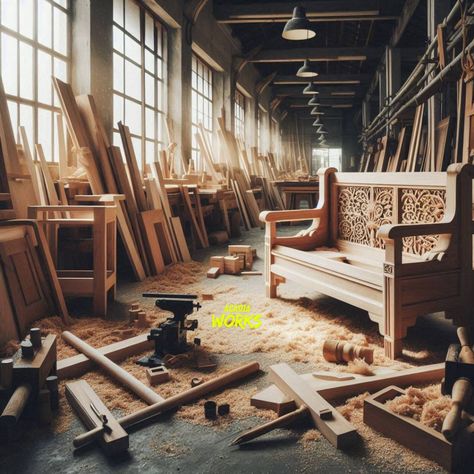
(342, 351)
(280, 422)
(461, 396)
(174, 401)
(170, 337)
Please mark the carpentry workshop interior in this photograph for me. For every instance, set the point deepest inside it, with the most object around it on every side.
(236, 236)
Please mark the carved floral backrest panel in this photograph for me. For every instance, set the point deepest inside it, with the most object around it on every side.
(363, 209)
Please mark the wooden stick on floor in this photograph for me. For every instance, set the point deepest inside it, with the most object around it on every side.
(117, 373)
(280, 422)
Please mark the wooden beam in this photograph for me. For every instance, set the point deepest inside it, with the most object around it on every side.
(407, 13)
(316, 54)
(338, 10)
(338, 431)
(323, 79)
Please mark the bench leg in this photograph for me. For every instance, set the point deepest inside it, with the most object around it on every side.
(392, 347)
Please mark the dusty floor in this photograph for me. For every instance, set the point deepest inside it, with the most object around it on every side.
(293, 328)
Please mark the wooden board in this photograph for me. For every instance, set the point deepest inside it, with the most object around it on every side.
(53, 198)
(443, 135)
(27, 287)
(188, 207)
(39, 192)
(155, 241)
(81, 396)
(181, 239)
(337, 430)
(7, 138)
(8, 327)
(78, 365)
(135, 175)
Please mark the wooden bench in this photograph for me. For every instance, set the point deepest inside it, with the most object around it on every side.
(398, 245)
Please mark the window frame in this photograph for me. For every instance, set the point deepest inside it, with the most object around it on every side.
(35, 103)
(239, 115)
(199, 96)
(159, 76)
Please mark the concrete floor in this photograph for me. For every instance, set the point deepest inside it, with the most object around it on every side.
(202, 449)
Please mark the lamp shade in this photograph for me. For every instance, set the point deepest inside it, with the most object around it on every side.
(307, 70)
(316, 123)
(298, 28)
(316, 111)
(313, 101)
(310, 89)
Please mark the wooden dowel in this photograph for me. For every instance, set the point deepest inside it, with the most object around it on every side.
(461, 396)
(280, 422)
(14, 408)
(117, 373)
(174, 401)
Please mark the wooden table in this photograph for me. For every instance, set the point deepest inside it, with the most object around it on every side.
(296, 191)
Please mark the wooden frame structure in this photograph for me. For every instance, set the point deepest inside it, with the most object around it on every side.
(402, 246)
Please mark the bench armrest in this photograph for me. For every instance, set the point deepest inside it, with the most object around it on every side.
(290, 215)
(394, 231)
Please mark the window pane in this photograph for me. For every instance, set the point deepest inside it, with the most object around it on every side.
(118, 109)
(26, 71)
(132, 18)
(149, 90)
(44, 78)
(149, 31)
(26, 120)
(133, 49)
(133, 80)
(118, 12)
(150, 151)
(150, 123)
(9, 64)
(137, 147)
(133, 117)
(44, 133)
(60, 32)
(13, 110)
(45, 30)
(118, 73)
(26, 18)
(118, 39)
(9, 11)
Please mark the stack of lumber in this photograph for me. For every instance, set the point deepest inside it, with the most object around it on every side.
(152, 237)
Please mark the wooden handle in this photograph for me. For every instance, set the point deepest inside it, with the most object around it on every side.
(15, 406)
(466, 354)
(461, 396)
(117, 373)
(174, 401)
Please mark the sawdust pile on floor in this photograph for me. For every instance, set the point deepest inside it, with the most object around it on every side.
(358, 366)
(309, 437)
(384, 452)
(426, 405)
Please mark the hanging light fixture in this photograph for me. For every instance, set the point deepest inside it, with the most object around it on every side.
(310, 89)
(316, 123)
(314, 100)
(316, 111)
(299, 27)
(307, 70)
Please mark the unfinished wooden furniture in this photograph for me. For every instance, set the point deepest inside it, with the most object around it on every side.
(413, 434)
(100, 222)
(294, 192)
(29, 285)
(93, 413)
(397, 245)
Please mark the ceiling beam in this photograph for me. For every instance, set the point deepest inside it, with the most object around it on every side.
(316, 54)
(336, 10)
(323, 79)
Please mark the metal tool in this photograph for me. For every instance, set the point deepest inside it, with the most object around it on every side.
(170, 337)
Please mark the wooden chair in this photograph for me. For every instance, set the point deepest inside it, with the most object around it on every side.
(398, 245)
(101, 279)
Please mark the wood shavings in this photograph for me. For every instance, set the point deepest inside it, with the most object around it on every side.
(309, 437)
(426, 405)
(358, 366)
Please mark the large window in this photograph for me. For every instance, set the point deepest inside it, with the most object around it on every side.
(201, 99)
(139, 79)
(326, 158)
(239, 115)
(34, 45)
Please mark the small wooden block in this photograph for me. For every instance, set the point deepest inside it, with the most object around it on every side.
(207, 297)
(232, 265)
(157, 375)
(217, 261)
(80, 396)
(213, 272)
(254, 272)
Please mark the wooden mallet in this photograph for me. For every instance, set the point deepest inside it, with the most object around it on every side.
(466, 354)
(461, 397)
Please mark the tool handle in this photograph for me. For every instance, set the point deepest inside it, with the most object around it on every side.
(461, 396)
(463, 336)
(85, 438)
